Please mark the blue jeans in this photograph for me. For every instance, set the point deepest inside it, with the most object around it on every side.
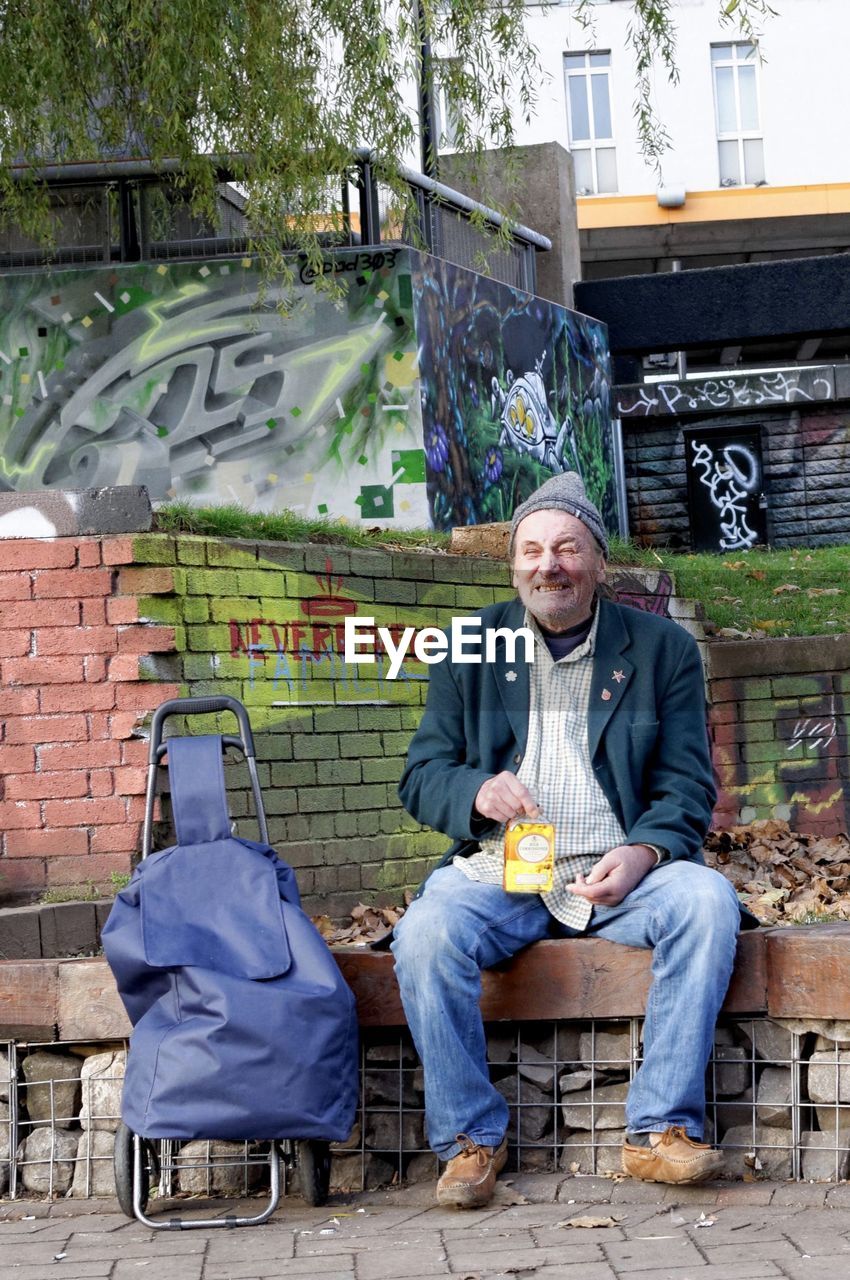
(686, 913)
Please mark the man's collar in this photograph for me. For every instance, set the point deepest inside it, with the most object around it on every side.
(586, 649)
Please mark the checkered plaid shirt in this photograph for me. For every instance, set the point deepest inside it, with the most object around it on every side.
(556, 769)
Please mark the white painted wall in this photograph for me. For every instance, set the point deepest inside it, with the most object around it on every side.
(804, 83)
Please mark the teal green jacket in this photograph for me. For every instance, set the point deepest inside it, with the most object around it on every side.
(646, 733)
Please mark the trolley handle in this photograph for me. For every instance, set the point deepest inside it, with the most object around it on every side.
(158, 748)
(201, 706)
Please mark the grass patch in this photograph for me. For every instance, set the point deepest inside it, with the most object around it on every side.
(801, 592)
(88, 892)
(233, 521)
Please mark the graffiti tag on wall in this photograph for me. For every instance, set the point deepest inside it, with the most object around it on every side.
(799, 773)
(729, 482)
(735, 392)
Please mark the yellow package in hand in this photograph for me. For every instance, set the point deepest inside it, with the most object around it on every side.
(529, 856)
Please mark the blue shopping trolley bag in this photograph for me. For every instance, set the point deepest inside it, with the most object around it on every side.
(243, 1026)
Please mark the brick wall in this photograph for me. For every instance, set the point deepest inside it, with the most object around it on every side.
(74, 683)
(780, 725)
(98, 632)
(806, 458)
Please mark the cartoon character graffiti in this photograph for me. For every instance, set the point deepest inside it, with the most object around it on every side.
(528, 425)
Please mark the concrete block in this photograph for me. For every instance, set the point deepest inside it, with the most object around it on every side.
(835, 1121)
(68, 929)
(46, 1160)
(385, 1133)
(585, 1150)
(773, 1097)
(393, 1087)
(55, 513)
(829, 1076)
(537, 1067)
(101, 1082)
(53, 1088)
(20, 937)
(5, 1147)
(422, 1167)
(771, 1040)
(594, 1109)
(572, 1081)
(361, 1173)
(5, 1082)
(531, 1109)
(772, 1148)
(228, 1175)
(606, 1047)
(823, 1159)
(731, 1071)
(93, 1171)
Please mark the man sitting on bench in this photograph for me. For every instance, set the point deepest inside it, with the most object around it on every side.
(603, 736)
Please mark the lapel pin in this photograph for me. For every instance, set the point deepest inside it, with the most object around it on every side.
(606, 695)
(510, 675)
(618, 676)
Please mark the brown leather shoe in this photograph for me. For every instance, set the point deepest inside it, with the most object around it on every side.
(469, 1178)
(672, 1157)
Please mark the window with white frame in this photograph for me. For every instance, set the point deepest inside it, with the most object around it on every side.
(446, 118)
(740, 148)
(588, 91)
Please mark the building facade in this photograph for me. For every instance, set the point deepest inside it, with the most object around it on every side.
(722, 272)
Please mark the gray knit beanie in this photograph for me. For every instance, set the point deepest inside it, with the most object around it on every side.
(563, 492)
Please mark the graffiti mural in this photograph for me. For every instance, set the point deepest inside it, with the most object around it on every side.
(189, 379)
(426, 395)
(513, 388)
(742, 391)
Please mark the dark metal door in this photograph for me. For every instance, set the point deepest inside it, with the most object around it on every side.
(726, 500)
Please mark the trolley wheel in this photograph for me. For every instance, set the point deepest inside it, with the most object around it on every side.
(122, 1163)
(313, 1170)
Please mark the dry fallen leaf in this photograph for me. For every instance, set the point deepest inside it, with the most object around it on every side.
(785, 586)
(589, 1221)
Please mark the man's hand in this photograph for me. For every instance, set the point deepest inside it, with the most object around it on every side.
(502, 797)
(615, 874)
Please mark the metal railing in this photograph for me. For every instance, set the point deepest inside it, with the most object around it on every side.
(124, 211)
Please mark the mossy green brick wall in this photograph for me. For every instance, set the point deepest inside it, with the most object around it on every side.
(264, 622)
(780, 728)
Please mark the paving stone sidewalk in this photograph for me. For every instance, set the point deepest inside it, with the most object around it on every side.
(735, 1231)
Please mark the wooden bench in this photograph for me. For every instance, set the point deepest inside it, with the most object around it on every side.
(779, 973)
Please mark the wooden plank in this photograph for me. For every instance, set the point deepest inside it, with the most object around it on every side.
(748, 989)
(89, 1005)
(809, 972)
(29, 999)
(556, 979)
(563, 979)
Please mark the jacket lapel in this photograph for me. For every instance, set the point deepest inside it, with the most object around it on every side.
(612, 673)
(512, 678)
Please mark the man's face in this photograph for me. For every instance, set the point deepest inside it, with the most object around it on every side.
(557, 564)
